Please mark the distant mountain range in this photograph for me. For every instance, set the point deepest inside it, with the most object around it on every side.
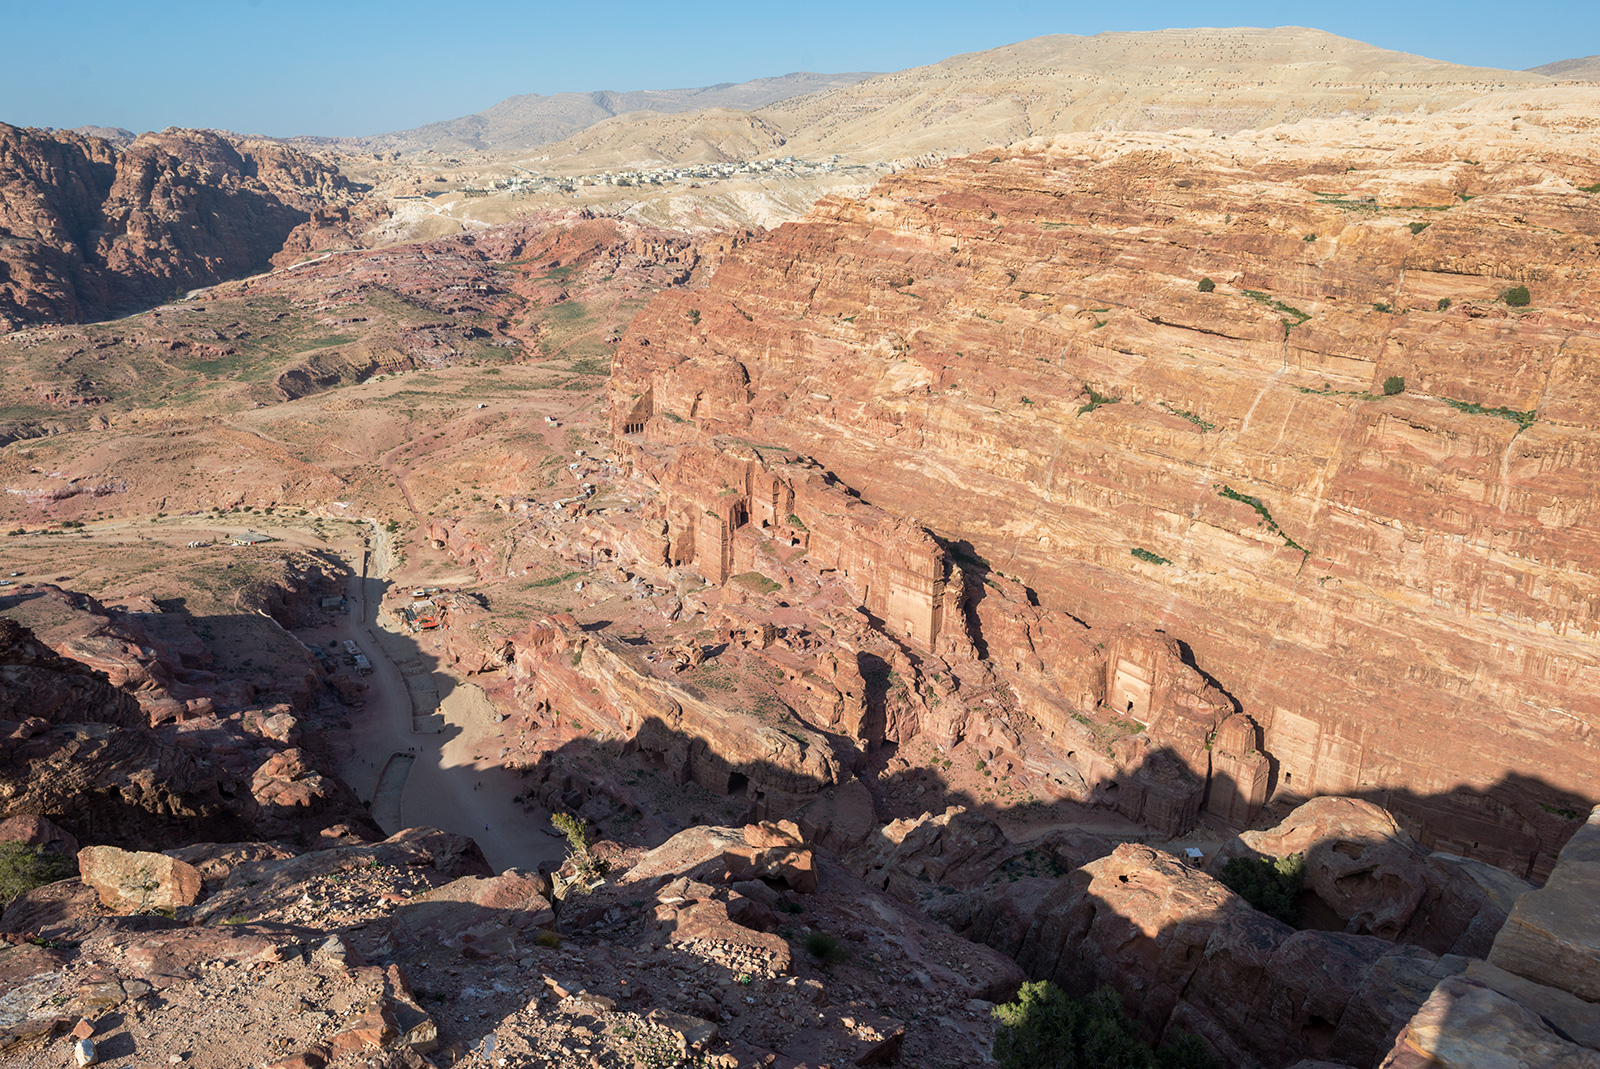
(530, 120)
(1586, 67)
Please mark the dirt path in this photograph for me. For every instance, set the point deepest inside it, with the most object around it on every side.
(442, 788)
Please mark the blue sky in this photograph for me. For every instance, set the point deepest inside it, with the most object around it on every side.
(359, 67)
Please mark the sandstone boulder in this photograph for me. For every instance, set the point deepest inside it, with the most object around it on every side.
(37, 831)
(1466, 1025)
(139, 881)
(1553, 934)
(774, 851)
(472, 905)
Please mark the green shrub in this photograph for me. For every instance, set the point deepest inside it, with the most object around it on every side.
(1044, 1029)
(584, 862)
(24, 867)
(1444, 303)
(1271, 885)
(1417, 228)
(1382, 306)
(1206, 285)
(547, 939)
(757, 582)
(1309, 237)
(826, 949)
(1393, 384)
(1517, 296)
(1096, 399)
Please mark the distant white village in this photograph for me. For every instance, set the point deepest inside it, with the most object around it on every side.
(533, 182)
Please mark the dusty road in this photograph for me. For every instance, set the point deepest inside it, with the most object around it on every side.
(445, 788)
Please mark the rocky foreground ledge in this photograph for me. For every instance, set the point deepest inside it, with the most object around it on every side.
(748, 947)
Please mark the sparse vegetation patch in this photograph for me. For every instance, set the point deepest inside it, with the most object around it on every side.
(1096, 399)
(1261, 510)
(1044, 1029)
(1271, 885)
(1521, 419)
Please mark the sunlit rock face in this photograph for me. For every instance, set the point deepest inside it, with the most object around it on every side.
(1015, 352)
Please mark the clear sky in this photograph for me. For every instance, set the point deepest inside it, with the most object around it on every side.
(355, 67)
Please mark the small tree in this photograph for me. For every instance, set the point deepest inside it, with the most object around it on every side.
(1044, 1029)
(1206, 285)
(1392, 385)
(585, 866)
(24, 867)
(1517, 296)
(1272, 885)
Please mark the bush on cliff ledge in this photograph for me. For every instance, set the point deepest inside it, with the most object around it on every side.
(1392, 385)
(1206, 285)
(1517, 297)
(1272, 885)
(1044, 1029)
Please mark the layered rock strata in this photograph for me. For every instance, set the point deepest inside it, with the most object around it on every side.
(1014, 352)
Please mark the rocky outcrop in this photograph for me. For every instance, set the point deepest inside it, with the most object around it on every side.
(599, 684)
(1186, 954)
(92, 228)
(43, 686)
(1013, 350)
(1368, 875)
(670, 956)
(958, 849)
(1553, 934)
(84, 755)
(773, 852)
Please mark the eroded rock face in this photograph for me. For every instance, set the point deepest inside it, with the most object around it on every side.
(1553, 934)
(83, 754)
(1467, 1025)
(1014, 352)
(1187, 954)
(92, 228)
(1375, 879)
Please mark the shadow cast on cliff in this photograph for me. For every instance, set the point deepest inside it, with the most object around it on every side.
(1258, 991)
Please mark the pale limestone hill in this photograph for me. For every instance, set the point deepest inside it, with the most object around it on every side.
(1585, 67)
(1222, 79)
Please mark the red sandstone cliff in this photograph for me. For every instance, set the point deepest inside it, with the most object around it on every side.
(87, 228)
(1014, 352)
